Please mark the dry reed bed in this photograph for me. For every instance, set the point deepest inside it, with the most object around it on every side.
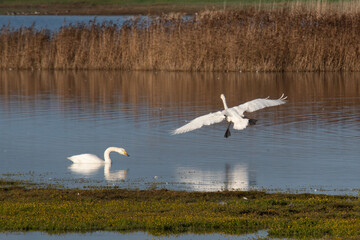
(296, 39)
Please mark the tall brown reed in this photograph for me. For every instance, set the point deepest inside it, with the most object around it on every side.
(278, 39)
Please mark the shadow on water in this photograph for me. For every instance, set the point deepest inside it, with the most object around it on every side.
(309, 143)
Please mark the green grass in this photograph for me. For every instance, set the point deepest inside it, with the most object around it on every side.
(165, 212)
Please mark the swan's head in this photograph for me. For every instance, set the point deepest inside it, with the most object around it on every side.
(222, 96)
(121, 151)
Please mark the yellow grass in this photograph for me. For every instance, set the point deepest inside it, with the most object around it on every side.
(293, 37)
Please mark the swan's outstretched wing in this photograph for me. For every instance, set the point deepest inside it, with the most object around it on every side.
(258, 104)
(198, 122)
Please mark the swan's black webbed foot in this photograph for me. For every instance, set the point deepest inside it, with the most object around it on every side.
(227, 133)
(252, 121)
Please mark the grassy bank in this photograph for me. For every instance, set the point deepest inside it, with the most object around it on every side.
(163, 212)
(295, 39)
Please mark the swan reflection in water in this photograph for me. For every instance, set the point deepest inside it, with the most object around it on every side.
(88, 164)
(91, 169)
(231, 178)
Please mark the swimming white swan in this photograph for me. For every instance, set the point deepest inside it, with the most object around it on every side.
(234, 115)
(87, 158)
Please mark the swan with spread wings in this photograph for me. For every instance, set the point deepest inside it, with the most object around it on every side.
(234, 115)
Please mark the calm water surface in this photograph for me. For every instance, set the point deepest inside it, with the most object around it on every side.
(54, 23)
(310, 144)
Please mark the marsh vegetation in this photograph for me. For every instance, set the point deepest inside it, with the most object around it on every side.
(297, 38)
(30, 208)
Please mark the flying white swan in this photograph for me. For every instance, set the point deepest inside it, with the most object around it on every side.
(87, 158)
(234, 115)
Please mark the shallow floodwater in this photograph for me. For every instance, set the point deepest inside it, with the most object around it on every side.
(310, 144)
(54, 23)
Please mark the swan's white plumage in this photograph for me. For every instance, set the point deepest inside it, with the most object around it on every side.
(234, 114)
(259, 103)
(198, 122)
(240, 123)
(88, 158)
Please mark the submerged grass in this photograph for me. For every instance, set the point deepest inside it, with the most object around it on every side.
(293, 38)
(162, 212)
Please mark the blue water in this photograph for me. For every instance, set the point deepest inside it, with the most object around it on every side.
(310, 144)
(53, 23)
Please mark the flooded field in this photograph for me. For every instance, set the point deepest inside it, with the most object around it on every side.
(53, 22)
(310, 144)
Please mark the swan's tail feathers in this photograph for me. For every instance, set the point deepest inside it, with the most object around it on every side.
(227, 133)
(252, 122)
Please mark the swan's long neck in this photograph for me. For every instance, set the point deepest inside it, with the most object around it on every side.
(224, 101)
(107, 154)
(107, 170)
